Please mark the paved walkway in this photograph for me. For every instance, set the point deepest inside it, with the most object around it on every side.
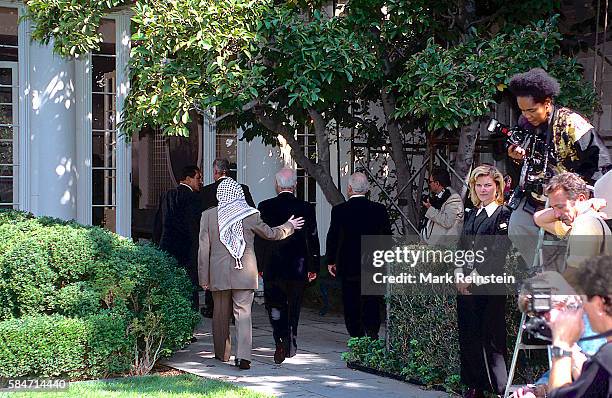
(316, 371)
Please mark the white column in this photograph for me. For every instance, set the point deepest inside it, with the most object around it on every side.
(209, 139)
(83, 138)
(52, 134)
(241, 158)
(124, 148)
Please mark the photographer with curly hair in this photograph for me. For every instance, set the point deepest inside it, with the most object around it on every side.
(572, 141)
(595, 375)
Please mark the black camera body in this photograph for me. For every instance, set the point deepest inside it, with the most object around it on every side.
(535, 300)
(539, 163)
(513, 135)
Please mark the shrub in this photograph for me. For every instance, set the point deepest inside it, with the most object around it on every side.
(53, 345)
(108, 293)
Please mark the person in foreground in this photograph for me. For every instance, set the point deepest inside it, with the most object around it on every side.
(228, 267)
(481, 306)
(593, 378)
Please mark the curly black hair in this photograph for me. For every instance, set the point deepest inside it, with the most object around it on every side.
(595, 279)
(535, 83)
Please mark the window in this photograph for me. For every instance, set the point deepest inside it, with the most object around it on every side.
(227, 147)
(9, 98)
(104, 133)
(307, 185)
(160, 166)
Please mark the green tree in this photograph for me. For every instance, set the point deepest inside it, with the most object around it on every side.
(275, 67)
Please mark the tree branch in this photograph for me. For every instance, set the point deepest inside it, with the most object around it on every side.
(314, 169)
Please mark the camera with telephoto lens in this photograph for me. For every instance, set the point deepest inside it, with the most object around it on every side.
(539, 163)
(513, 135)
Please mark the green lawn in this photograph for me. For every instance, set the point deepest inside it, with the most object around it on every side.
(182, 386)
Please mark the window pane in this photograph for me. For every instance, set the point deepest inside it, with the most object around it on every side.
(6, 152)
(8, 34)
(6, 133)
(105, 217)
(103, 80)
(103, 112)
(6, 171)
(103, 149)
(6, 95)
(103, 187)
(6, 115)
(6, 76)
(6, 190)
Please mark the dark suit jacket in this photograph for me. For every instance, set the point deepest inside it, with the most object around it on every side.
(349, 221)
(208, 194)
(180, 218)
(292, 258)
(489, 234)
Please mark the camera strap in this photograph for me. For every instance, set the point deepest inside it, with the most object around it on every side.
(597, 336)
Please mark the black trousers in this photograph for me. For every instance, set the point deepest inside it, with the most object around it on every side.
(482, 341)
(284, 301)
(361, 313)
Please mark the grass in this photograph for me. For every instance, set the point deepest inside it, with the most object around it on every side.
(182, 386)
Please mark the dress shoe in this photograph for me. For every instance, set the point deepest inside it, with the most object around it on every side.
(243, 364)
(473, 393)
(279, 354)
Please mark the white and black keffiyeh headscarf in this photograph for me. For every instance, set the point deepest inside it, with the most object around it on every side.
(232, 209)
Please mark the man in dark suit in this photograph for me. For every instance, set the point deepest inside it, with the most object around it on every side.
(208, 194)
(221, 169)
(180, 216)
(287, 264)
(349, 221)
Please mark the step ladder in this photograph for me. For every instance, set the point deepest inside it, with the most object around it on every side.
(538, 264)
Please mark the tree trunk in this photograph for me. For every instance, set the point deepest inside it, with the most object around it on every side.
(402, 168)
(320, 170)
(465, 156)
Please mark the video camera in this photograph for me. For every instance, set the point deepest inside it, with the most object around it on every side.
(536, 301)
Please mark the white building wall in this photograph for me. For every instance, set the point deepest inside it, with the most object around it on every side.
(258, 165)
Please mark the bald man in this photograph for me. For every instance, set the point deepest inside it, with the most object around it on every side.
(289, 264)
(349, 221)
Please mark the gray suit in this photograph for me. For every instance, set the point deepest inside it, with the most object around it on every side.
(231, 287)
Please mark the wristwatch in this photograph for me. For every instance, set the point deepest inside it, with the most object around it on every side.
(558, 352)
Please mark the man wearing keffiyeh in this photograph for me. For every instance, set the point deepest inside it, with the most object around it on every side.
(228, 268)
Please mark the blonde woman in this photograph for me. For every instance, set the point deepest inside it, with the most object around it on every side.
(481, 302)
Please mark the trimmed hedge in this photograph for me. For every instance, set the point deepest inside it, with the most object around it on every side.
(53, 345)
(84, 302)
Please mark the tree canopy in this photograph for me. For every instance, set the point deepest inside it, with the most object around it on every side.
(274, 67)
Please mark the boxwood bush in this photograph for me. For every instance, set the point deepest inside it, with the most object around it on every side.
(84, 302)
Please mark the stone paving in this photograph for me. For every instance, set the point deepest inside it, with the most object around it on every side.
(316, 371)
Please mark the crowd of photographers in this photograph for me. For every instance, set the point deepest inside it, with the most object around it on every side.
(559, 166)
